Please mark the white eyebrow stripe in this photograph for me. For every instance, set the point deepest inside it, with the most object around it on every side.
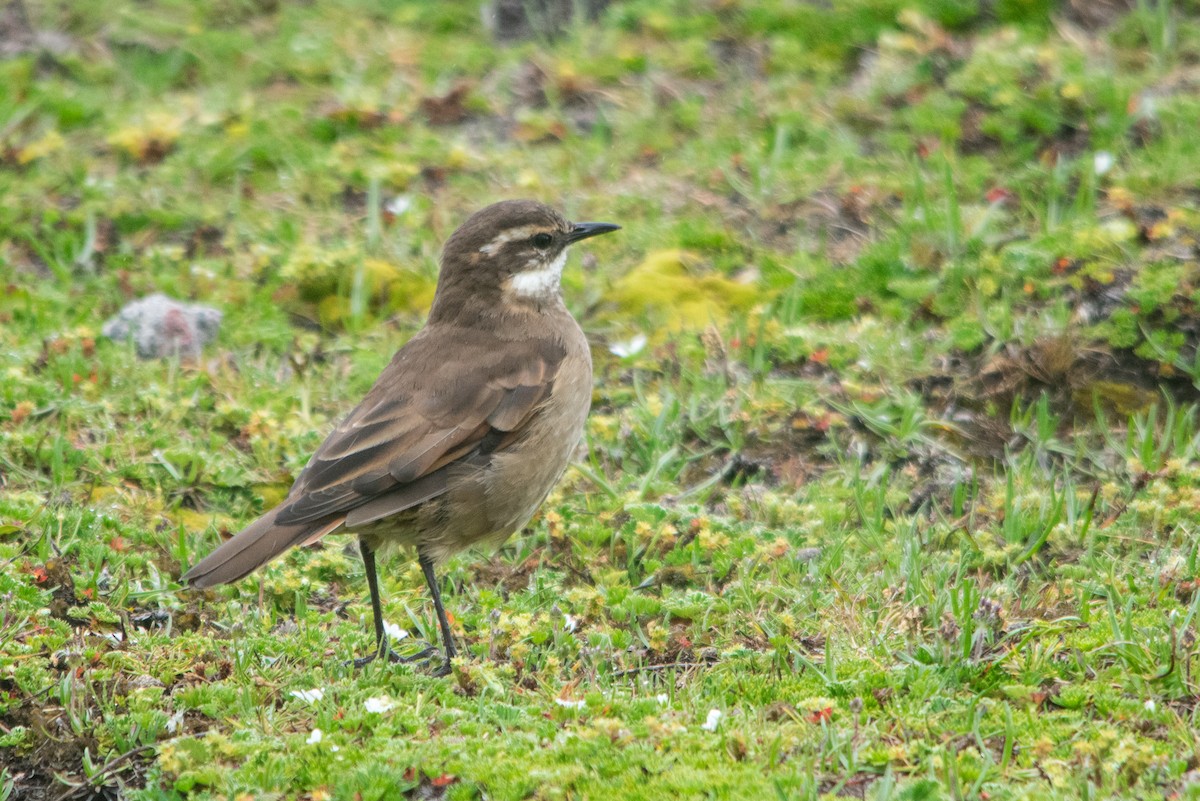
(539, 283)
(504, 237)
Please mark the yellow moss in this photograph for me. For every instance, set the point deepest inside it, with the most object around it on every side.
(99, 494)
(586, 601)
(629, 54)
(379, 272)
(660, 729)
(1005, 97)
(220, 744)
(459, 157)
(1104, 237)
(656, 22)
(332, 310)
(272, 494)
(314, 270)
(325, 278)
(153, 137)
(670, 289)
(612, 728)
(411, 291)
(604, 426)
(50, 142)
(1126, 399)
(657, 635)
(168, 759)
(1120, 197)
(1071, 91)
(261, 425)
(1162, 230)
(395, 173)
(298, 426)
(193, 520)
(528, 179)
(710, 541)
(319, 272)
(775, 549)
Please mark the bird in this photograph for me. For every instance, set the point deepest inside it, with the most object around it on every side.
(466, 430)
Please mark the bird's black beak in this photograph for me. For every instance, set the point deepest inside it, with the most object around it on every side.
(584, 230)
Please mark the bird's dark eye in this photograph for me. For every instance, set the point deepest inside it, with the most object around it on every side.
(542, 240)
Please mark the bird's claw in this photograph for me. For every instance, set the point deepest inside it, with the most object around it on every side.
(425, 655)
(363, 661)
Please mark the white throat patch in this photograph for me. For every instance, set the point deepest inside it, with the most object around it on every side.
(541, 283)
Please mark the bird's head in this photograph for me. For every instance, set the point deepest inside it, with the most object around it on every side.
(511, 252)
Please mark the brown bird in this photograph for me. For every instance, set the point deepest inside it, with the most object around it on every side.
(464, 433)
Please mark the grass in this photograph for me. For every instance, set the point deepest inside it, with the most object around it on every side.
(898, 500)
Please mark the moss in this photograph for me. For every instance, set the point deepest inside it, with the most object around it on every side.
(672, 291)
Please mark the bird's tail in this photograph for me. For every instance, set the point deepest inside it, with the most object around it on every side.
(253, 547)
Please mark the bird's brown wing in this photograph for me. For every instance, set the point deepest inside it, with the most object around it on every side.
(428, 410)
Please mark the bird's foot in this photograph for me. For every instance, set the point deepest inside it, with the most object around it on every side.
(420, 656)
(435, 663)
(363, 661)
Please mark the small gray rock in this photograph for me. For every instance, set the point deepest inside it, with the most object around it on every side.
(161, 326)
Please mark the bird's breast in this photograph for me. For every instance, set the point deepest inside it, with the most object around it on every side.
(520, 478)
(488, 503)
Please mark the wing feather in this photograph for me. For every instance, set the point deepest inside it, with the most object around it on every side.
(514, 406)
(424, 413)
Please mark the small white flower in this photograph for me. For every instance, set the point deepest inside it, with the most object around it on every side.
(398, 205)
(334, 748)
(174, 721)
(1150, 705)
(380, 704)
(662, 698)
(393, 631)
(570, 623)
(308, 696)
(714, 718)
(629, 347)
(1147, 106)
(569, 704)
(1103, 161)
(315, 737)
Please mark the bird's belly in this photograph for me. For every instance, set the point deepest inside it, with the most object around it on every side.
(485, 504)
(519, 480)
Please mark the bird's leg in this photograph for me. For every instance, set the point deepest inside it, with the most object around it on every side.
(431, 579)
(381, 643)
